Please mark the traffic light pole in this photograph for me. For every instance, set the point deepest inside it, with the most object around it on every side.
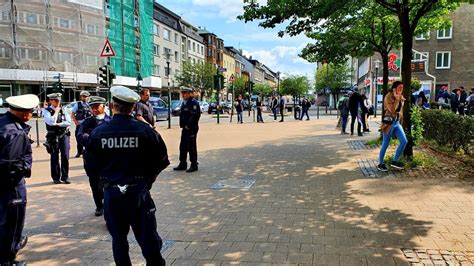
(217, 89)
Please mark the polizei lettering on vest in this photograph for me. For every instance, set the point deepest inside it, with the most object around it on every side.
(119, 143)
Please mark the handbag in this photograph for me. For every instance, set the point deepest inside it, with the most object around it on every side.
(387, 120)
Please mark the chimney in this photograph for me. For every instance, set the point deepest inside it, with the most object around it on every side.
(240, 50)
(250, 58)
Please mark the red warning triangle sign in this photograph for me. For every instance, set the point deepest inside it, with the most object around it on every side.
(107, 50)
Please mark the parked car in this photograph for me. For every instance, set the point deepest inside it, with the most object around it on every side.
(204, 106)
(160, 107)
(176, 107)
(213, 108)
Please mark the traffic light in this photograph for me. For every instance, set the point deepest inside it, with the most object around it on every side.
(106, 77)
(222, 81)
(58, 87)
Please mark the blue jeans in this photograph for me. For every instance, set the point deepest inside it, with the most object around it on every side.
(240, 118)
(274, 110)
(396, 130)
(344, 122)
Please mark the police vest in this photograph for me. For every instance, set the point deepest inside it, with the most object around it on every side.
(61, 117)
(83, 111)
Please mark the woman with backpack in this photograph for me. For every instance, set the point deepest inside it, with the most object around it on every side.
(391, 126)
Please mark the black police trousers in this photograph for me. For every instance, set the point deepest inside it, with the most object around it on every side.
(60, 171)
(188, 145)
(135, 208)
(79, 146)
(97, 192)
(12, 221)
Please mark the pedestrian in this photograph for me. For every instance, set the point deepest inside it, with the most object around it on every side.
(282, 105)
(57, 138)
(470, 103)
(462, 99)
(259, 110)
(355, 103)
(15, 165)
(367, 110)
(128, 155)
(189, 122)
(343, 106)
(239, 108)
(305, 105)
(144, 110)
(274, 107)
(391, 126)
(80, 111)
(97, 105)
(454, 101)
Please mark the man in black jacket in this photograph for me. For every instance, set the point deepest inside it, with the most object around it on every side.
(462, 98)
(454, 101)
(356, 105)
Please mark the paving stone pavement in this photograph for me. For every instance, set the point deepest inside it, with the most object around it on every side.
(310, 205)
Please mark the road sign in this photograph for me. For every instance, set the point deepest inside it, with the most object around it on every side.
(107, 51)
(222, 69)
(232, 78)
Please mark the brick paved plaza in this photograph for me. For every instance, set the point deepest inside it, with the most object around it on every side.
(310, 204)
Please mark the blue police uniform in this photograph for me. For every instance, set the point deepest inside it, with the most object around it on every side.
(57, 142)
(81, 111)
(87, 126)
(15, 165)
(128, 155)
(189, 122)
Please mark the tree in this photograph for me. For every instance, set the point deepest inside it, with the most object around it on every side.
(334, 77)
(263, 89)
(239, 86)
(199, 76)
(294, 85)
(412, 16)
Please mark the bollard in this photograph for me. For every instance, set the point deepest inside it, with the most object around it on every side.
(37, 132)
(253, 110)
(317, 114)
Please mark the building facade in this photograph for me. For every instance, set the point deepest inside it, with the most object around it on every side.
(192, 44)
(214, 48)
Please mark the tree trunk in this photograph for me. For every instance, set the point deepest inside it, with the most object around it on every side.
(385, 74)
(406, 79)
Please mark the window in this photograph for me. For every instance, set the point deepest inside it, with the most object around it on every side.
(209, 52)
(423, 36)
(166, 34)
(176, 56)
(31, 18)
(92, 60)
(189, 45)
(5, 16)
(420, 56)
(64, 23)
(202, 50)
(156, 50)
(194, 47)
(443, 60)
(156, 70)
(5, 52)
(92, 29)
(156, 30)
(176, 38)
(445, 33)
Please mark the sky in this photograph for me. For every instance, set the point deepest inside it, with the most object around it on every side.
(219, 17)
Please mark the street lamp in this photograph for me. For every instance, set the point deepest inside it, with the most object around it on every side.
(278, 84)
(168, 55)
(377, 65)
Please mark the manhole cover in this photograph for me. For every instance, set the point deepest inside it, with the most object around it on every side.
(438, 257)
(369, 169)
(234, 183)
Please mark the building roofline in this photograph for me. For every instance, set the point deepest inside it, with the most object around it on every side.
(163, 8)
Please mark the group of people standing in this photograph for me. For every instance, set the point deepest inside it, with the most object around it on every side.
(123, 156)
(358, 107)
(458, 100)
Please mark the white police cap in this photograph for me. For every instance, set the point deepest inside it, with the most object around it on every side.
(124, 94)
(96, 100)
(55, 96)
(23, 102)
(85, 93)
(186, 89)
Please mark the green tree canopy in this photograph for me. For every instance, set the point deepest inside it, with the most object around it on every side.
(197, 75)
(239, 86)
(294, 85)
(333, 76)
(263, 89)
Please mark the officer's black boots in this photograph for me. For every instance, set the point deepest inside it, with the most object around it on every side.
(181, 167)
(193, 168)
(99, 212)
(22, 243)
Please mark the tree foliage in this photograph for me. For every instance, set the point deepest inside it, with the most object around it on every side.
(239, 86)
(197, 75)
(333, 76)
(294, 85)
(262, 88)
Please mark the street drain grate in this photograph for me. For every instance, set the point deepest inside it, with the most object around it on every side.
(167, 244)
(438, 257)
(234, 184)
(369, 169)
(357, 145)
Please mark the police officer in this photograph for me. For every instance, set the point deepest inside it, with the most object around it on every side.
(57, 138)
(124, 153)
(80, 111)
(188, 121)
(97, 106)
(15, 165)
